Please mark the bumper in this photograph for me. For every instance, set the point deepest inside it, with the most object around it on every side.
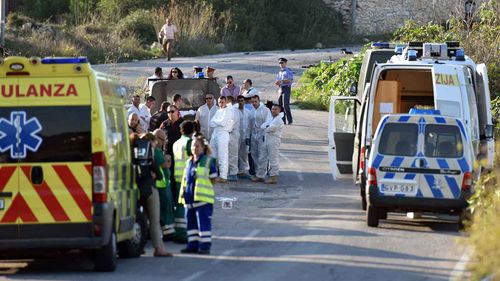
(413, 204)
(60, 235)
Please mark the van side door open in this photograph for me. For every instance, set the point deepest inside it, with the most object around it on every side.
(342, 124)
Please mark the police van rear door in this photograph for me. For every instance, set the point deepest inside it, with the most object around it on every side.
(54, 134)
(342, 123)
(445, 160)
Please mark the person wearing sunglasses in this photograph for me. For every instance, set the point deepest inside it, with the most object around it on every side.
(175, 73)
(205, 113)
(230, 89)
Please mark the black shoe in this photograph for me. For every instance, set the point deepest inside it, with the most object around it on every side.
(189, 251)
(180, 240)
(204, 252)
(168, 237)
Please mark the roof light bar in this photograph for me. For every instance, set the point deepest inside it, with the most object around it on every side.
(425, 111)
(412, 55)
(460, 55)
(64, 60)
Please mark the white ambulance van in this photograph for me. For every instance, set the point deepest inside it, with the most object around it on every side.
(437, 76)
(419, 162)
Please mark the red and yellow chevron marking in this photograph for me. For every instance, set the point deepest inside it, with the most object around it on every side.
(63, 196)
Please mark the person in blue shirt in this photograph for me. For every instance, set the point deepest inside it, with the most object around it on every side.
(197, 195)
(284, 81)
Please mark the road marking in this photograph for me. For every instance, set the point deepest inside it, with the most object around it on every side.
(222, 256)
(194, 276)
(298, 171)
(250, 235)
(460, 268)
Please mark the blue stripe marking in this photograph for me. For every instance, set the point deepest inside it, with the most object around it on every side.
(452, 183)
(461, 126)
(419, 193)
(383, 122)
(436, 193)
(442, 163)
(440, 120)
(376, 162)
(410, 176)
(389, 175)
(404, 119)
(397, 161)
(463, 165)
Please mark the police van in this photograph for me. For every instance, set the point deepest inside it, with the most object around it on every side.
(66, 180)
(428, 75)
(419, 162)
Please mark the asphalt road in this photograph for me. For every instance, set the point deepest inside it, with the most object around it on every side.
(307, 227)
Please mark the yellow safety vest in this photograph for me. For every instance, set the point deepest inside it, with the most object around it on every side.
(163, 183)
(180, 157)
(203, 188)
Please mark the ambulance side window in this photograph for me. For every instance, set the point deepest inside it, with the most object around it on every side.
(399, 139)
(112, 133)
(443, 141)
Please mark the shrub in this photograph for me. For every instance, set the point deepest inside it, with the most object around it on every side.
(138, 23)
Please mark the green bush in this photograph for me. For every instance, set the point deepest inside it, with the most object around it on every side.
(139, 23)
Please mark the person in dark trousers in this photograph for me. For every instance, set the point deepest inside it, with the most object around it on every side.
(284, 81)
(159, 117)
(197, 194)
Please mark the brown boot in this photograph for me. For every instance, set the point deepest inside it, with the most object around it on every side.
(257, 179)
(272, 180)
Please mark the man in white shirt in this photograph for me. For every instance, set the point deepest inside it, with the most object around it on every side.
(136, 101)
(148, 85)
(169, 33)
(205, 113)
(145, 112)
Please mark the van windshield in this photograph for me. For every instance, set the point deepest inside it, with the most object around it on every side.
(443, 141)
(399, 139)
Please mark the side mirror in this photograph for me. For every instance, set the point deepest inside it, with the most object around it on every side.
(354, 89)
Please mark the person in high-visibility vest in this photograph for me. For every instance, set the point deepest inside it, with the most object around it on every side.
(182, 151)
(197, 195)
(163, 186)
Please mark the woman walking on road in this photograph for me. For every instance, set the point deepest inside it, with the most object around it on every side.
(197, 195)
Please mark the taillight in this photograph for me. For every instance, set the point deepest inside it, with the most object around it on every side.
(362, 159)
(372, 176)
(99, 178)
(467, 181)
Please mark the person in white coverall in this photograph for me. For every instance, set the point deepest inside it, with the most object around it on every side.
(261, 115)
(205, 113)
(272, 140)
(221, 124)
(245, 132)
(234, 139)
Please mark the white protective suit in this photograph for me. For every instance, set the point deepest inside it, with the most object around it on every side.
(234, 140)
(245, 133)
(222, 124)
(261, 115)
(204, 115)
(272, 140)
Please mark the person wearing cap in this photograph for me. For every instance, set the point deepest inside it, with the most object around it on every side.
(210, 72)
(205, 113)
(284, 81)
(148, 84)
(230, 89)
(198, 72)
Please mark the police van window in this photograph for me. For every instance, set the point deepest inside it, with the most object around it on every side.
(399, 139)
(443, 141)
(45, 134)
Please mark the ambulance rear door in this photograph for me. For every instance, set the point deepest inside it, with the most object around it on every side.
(342, 123)
(447, 92)
(55, 173)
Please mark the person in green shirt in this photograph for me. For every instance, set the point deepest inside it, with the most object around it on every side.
(164, 188)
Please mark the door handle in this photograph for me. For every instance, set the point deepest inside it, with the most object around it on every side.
(36, 175)
(421, 163)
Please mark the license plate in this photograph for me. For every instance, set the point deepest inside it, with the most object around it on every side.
(399, 188)
(2, 204)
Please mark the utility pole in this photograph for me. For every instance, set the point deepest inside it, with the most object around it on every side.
(2, 23)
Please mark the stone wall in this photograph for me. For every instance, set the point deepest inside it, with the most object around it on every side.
(373, 17)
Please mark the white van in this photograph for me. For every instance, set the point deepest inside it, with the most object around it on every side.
(419, 162)
(418, 76)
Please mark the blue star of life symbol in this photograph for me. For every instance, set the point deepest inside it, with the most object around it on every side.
(19, 135)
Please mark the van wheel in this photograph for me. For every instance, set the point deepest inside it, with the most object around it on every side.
(105, 257)
(372, 216)
(362, 189)
(133, 247)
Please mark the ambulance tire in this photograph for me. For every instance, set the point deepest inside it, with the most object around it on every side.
(372, 216)
(134, 247)
(106, 257)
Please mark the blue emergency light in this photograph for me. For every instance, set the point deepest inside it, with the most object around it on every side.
(64, 60)
(425, 111)
(380, 45)
(459, 55)
(398, 50)
(412, 55)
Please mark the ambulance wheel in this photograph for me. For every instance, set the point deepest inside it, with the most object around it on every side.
(372, 216)
(133, 247)
(105, 257)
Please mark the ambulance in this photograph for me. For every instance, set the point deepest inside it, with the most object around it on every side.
(422, 75)
(66, 180)
(419, 162)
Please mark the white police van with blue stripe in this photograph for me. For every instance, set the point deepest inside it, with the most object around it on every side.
(419, 162)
